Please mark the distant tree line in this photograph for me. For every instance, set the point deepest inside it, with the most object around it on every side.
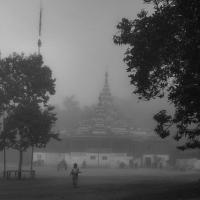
(25, 87)
(71, 114)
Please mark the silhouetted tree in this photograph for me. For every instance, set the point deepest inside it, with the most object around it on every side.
(163, 57)
(28, 85)
(6, 141)
(5, 98)
(31, 126)
(41, 129)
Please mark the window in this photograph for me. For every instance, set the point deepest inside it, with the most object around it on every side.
(92, 157)
(104, 158)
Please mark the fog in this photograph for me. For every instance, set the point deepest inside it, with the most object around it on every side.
(77, 45)
(76, 42)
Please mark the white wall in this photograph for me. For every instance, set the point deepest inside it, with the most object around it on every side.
(49, 158)
(91, 159)
(187, 164)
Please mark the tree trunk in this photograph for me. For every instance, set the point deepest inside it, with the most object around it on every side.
(32, 150)
(20, 164)
(4, 162)
(4, 151)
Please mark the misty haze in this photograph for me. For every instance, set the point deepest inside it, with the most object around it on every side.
(99, 99)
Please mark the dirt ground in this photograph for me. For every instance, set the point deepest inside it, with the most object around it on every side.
(105, 184)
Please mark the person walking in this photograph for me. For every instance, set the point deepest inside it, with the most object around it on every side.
(74, 173)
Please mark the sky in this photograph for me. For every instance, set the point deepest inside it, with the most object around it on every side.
(77, 45)
(76, 42)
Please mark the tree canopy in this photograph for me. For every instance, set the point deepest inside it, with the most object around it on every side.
(163, 58)
(30, 125)
(25, 78)
(25, 86)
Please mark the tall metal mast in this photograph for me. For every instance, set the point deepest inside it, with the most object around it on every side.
(40, 29)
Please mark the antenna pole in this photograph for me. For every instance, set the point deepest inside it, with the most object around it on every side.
(40, 28)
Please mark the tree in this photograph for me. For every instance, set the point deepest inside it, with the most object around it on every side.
(32, 127)
(41, 129)
(4, 100)
(6, 140)
(163, 58)
(26, 79)
(27, 85)
(69, 117)
(5, 81)
(16, 126)
(88, 112)
(72, 114)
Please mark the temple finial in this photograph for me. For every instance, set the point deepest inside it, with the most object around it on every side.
(106, 77)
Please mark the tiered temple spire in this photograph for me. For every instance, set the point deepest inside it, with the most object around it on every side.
(107, 119)
(102, 112)
(105, 95)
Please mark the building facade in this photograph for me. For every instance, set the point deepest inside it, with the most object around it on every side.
(107, 140)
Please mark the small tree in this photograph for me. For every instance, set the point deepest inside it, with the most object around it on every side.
(6, 140)
(31, 126)
(28, 85)
(5, 97)
(40, 129)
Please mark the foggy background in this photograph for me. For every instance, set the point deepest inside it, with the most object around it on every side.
(77, 45)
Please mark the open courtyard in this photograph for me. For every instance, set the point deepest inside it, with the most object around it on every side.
(105, 184)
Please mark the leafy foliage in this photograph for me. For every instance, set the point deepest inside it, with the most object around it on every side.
(25, 79)
(163, 57)
(31, 126)
(26, 85)
(70, 115)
